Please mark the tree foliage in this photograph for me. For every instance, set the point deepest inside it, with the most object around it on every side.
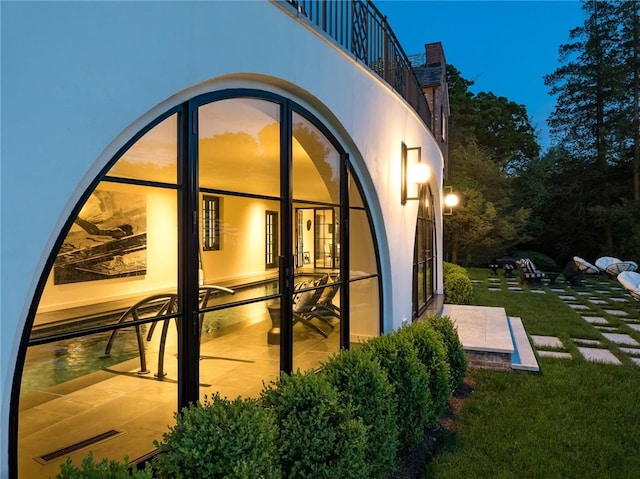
(592, 173)
(491, 139)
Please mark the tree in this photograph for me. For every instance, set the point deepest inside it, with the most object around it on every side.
(588, 102)
(499, 125)
(487, 223)
(490, 140)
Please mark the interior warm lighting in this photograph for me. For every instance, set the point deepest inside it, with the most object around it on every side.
(414, 173)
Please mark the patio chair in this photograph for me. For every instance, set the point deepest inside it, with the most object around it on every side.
(325, 306)
(305, 302)
(630, 280)
(154, 306)
(612, 267)
(529, 272)
(584, 266)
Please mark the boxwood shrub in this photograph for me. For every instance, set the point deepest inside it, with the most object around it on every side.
(456, 356)
(432, 353)
(105, 469)
(410, 378)
(320, 436)
(457, 284)
(361, 380)
(220, 438)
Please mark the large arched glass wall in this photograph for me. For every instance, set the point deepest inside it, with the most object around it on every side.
(424, 254)
(227, 242)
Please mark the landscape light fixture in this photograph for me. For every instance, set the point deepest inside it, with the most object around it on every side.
(413, 173)
(451, 200)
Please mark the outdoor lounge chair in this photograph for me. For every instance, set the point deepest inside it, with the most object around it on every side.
(630, 280)
(305, 304)
(614, 266)
(584, 266)
(529, 272)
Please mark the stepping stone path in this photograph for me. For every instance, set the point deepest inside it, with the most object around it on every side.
(598, 355)
(604, 313)
(595, 320)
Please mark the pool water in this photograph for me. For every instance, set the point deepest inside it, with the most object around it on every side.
(49, 364)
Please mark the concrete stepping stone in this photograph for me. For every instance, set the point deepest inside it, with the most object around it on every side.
(631, 351)
(602, 291)
(588, 342)
(620, 338)
(554, 354)
(584, 293)
(596, 301)
(618, 300)
(636, 360)
(607, 329)
(567, 298)
(558, 290)
(634, 326)
(598, 355)
(615, 312)
(595, 319)
(546, 342)
(578, 306)
(537, 291)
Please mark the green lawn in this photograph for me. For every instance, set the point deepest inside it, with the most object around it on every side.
(574, 419)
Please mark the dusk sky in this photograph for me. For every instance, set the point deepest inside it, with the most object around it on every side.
(506, 46)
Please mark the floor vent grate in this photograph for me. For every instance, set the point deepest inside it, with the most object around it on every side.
(65, 451)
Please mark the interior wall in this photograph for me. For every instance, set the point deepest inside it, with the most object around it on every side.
(242, 241)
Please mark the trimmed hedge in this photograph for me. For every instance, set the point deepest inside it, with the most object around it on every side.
(105, 469)
(220, 438)
(456, 356)
(433, 354)
(362, 381)
(320, 436)
(410, 379)
(457, 284)
(351, 420)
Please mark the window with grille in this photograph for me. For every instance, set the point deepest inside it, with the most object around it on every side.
(210, 223)
(271, 239)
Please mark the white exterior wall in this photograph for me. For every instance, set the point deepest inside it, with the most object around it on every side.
(80, 78)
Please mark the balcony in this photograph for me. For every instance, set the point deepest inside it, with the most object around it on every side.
(359, 28)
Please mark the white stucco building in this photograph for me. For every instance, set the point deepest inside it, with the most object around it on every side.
(228, 167)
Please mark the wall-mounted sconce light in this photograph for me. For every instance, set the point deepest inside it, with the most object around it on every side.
(413, 173)
(451, 200)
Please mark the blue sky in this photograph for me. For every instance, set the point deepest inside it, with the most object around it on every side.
(505, 46)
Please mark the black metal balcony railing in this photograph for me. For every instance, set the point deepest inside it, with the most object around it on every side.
(360, 28)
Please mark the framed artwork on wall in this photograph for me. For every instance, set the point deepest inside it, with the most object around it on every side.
(107, 240)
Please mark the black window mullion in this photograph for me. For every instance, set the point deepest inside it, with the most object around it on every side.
(344, 251)
(188, 330)
(286, 265)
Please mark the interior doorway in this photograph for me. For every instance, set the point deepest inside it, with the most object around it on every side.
(317, 238)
